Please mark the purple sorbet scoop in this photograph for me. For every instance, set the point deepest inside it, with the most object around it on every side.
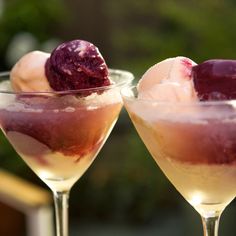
(76, 65)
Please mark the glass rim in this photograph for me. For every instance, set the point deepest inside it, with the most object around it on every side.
(128, 77)
(177, 103)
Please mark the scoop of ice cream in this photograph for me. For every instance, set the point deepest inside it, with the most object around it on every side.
(75, 65)
(72, 65)
(28, 74)
(169, 80)
(215, 80)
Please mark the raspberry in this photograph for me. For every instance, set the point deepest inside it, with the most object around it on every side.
(76, 65)
(215, 80)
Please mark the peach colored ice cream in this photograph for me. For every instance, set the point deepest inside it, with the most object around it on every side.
(28, 74)
(169, 80)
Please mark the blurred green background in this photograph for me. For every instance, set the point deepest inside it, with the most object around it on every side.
(123, 192)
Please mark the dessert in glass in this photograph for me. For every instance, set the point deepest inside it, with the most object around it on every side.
(57, 110)
(186, 116)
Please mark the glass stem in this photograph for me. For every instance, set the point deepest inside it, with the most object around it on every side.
(61, 207)
(211, 225)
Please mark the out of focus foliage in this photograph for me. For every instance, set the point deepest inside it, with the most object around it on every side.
(150, 30)
(38, 18)
(124, 183)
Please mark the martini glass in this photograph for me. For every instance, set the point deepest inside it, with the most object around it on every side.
(59, 134)
(194, 144)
